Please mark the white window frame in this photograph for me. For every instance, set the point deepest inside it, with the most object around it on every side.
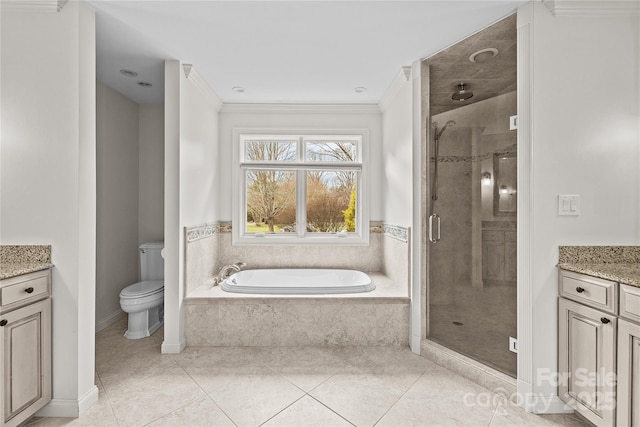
(358, 238)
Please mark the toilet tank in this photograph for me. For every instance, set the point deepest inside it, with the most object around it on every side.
(151, 261)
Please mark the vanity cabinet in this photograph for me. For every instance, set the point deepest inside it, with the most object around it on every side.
(499, 259)
(25, 346)
(629, 357)
(628, 373)
(599, 349)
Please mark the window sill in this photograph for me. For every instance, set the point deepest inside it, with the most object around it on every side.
(278, 240)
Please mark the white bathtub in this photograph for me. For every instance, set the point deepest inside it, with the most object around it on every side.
(285, 281)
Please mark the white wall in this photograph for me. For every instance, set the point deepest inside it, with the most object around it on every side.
(191, 143)
(397, 158)
(151, 173)
(585, 141)
(303, 117)
(48, 176)
(117, 201)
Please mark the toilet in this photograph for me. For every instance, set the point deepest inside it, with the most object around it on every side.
(144, 301)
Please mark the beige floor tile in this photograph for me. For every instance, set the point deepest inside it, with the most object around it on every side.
(202, 412)
(307, 412)
(139, 401)
(253, 399)
(306, 367)
(442, 398)
(359, 397)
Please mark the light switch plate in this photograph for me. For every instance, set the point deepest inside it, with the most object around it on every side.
(568, 205)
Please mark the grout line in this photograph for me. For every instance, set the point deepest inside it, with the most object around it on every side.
(207, 395)
(400, 397)
(106, 393)
(338, 414)
(282, 410)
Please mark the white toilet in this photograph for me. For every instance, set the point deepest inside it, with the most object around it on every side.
(144, 301)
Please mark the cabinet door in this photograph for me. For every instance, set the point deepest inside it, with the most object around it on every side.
(492, 260)
(25, 361)
(510, 261)
(586, 349)
(628, 374)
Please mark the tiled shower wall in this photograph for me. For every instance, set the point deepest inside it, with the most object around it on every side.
(208, 247)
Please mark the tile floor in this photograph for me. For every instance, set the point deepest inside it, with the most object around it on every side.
(285, 386)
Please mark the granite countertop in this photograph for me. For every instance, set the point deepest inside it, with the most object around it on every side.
(616, 263)
(16, 260)
(8, 271)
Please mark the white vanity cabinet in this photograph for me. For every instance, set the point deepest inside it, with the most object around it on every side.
(629, 357)
(587, 355)
(25, 346)
(599, 349)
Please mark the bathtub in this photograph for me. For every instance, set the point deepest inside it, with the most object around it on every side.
(286, 281)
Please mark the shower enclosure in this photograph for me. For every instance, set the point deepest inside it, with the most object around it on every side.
(471, 196)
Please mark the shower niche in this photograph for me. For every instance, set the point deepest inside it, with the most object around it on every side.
(471, 195)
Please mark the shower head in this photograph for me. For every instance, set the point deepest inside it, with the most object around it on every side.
(446, 125)
(462, 94)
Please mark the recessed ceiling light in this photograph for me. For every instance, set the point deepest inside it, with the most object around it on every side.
(128, 73)
(145, 84)
(483, 55)
(359, 89)
(238, 89)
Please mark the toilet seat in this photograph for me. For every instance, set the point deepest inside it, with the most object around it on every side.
(142, 289)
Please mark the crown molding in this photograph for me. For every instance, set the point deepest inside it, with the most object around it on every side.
(593, 7)
(34, 5)
(301, 108)
(401, 78)
(193, 76)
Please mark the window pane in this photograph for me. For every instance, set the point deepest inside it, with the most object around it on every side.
(331, 151)
(271, 201)
(331, 201)
(276, 151)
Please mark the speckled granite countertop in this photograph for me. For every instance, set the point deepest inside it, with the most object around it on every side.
(23, 259)
(616, 263)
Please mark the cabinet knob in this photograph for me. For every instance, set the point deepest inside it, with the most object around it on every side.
(28, 290)
(579, 290)
(604, 320)
(3, 322)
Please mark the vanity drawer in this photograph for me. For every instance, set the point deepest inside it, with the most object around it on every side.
(630, 302)
(598, 293)
(29, 287)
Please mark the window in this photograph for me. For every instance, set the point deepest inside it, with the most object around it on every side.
(299, 189)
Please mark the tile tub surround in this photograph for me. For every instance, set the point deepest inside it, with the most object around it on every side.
(282, 322)
(22, 259)
(217, 318)
(616, 263)
(294, 386)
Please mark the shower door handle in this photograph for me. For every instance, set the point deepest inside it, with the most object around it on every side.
(434, 235)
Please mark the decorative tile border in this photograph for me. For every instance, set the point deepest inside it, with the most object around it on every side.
(14, 254)
(200, 231)
(226, 227)
(470, 159)
(397, 232)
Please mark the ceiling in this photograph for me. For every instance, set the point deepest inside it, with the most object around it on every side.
(452, 66)
(280, 51)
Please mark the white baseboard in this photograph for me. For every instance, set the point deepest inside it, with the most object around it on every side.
(168, 348)
(69, 408)
(109, 320)
(88, 399)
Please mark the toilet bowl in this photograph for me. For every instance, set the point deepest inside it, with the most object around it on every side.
(144, 301)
